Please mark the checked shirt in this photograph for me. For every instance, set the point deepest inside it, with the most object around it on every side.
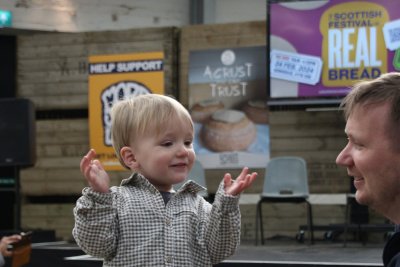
(132, 226)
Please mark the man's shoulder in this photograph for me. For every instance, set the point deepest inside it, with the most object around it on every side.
(1, 260)
(391, 252)
(394, 261)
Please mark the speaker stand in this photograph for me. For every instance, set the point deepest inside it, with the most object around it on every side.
(17, 194)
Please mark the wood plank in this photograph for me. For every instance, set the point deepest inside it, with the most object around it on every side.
(59, 180)
(66, 39)
(301, 117)
(226, 29)
(53, 68)
(57, 217)
(304, 131)
(73, 138)
(86, 49)
(303, 143)
(59, 102)
(49, 89)
(63, 162)
(65, 125)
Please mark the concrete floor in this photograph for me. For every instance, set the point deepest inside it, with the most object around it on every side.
(274, 253)
(321, 253)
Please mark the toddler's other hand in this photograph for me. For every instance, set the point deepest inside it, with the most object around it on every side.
(243, 181)
(94, 173)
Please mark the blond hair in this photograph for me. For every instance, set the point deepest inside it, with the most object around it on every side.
(132, 118)
(384, 89)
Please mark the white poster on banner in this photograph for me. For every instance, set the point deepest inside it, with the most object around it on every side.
(227, 101)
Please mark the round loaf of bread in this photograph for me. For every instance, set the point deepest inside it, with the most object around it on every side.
(228, 130)
(202, 111)
(257, 111)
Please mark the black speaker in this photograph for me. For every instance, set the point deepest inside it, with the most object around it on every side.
(17, 132)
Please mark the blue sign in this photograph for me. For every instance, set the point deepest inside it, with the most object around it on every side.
(5, 18)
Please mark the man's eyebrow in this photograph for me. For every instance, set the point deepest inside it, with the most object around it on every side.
(349, 135)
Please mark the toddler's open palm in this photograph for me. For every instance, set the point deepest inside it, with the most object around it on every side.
(243, 181)
(94, 173)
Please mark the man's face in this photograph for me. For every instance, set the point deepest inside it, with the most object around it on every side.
(370, 158)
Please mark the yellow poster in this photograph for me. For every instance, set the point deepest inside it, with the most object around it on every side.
(111, 79)
(353, 43)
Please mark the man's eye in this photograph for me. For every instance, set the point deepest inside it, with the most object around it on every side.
(355, 144)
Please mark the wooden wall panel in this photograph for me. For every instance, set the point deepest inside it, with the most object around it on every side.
(60, 145)
(318, 137)
(52, 68)
(57, 217)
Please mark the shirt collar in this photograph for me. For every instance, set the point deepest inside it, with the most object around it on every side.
(192, 187)
(136, 179)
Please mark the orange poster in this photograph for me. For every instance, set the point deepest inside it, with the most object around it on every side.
(111, 79)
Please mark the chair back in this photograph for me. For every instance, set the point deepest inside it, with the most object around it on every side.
(286, 177)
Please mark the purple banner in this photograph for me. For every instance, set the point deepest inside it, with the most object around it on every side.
(320, 49)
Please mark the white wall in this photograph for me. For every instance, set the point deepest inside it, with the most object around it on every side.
(99, 15)
(96, 15)
(240, 10)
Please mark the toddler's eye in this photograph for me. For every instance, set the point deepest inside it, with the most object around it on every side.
(167, 143)
(188, 143)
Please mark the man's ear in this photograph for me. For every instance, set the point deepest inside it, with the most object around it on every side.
(128, 156)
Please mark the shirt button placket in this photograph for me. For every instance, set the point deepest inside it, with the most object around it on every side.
(168, 259)
(169, 247)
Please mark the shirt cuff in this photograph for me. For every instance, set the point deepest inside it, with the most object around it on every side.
(101, 198)
(226, 203)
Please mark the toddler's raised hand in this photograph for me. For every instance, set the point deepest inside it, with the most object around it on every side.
(94, 173)
(243, 181)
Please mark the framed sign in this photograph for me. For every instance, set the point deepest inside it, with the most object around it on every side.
(319, 49)
(227, 101)
(116, 77)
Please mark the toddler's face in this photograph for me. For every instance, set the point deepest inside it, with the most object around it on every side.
(167, 158)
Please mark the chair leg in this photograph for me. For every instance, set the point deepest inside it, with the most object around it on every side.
(346, 222)
(259, 224)
(310, 223)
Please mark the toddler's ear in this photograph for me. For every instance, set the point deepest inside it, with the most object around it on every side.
(129, 157)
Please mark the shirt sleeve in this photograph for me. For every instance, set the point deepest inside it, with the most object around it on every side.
(223, 229)
(96, 220)
(1, 260)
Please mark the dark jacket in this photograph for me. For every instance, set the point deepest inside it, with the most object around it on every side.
(391, 252)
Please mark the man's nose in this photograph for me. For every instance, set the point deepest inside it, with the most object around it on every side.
(344, 157)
